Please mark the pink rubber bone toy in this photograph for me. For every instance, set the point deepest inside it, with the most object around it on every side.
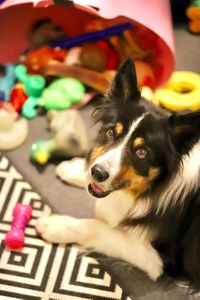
(21, 215)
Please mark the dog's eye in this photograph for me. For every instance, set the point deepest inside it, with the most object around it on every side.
(110, 133)
(141, 153)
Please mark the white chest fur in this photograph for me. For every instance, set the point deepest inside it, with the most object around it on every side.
(114, 208)
(118, 205)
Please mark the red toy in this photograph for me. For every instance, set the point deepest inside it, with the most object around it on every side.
(18, 96)
(112, 55)
(35, 60)
(21, 215)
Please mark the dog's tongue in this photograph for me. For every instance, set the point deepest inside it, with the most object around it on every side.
(96, 188)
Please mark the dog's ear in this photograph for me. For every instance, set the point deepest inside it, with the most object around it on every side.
(124, 85)
(185, 129)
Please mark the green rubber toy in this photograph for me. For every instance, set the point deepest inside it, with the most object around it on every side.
(62, 94)
(41, 151)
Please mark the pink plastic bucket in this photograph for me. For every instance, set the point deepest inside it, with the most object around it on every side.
(151, 20)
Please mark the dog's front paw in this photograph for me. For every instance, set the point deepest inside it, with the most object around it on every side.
(58, 229)
(155, 267)
(73, 172)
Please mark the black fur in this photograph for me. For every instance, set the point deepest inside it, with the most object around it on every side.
(169, 137)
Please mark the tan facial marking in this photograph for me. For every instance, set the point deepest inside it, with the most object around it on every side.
(137, 184)
(138, 142)
(96, 152)
(119, 128)
(153, 173)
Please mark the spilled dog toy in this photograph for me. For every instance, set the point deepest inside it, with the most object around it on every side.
(69, 137)
(182, 91)
(21, 215)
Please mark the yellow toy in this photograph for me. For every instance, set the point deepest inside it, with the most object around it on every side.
(181, 92)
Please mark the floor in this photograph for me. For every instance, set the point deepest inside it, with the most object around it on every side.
(74, 201)
(71, 200)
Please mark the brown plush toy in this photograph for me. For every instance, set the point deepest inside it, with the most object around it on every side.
(44, 31)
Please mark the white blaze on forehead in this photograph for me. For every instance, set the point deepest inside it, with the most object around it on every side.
(111, 160)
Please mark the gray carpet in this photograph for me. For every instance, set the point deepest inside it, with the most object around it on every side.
(76, 202)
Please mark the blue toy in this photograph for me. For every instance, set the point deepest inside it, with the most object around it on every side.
(91, 36)
(7, 81)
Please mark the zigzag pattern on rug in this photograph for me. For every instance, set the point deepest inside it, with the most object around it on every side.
(41, 270)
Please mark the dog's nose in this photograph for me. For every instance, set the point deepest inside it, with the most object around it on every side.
(99, 174)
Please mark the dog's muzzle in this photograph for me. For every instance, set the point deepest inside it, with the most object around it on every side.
(98, 175)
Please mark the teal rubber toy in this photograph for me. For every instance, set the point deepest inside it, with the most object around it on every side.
(62, 94)
(7, 81)
(34, 85)
(21, 73)
(28, 109)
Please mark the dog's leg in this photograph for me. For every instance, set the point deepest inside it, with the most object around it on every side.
(73, 171)
(98, 236)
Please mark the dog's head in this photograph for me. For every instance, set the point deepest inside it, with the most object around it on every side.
(139, 144)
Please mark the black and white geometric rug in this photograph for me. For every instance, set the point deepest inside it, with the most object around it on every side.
(42, 270)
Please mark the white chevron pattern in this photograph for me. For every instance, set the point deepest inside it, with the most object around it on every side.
(41, 270)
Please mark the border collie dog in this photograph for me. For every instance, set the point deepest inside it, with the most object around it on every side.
(144, 172)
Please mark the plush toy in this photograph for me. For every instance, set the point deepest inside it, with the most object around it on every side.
(69, 137)
(99, 56)
(45, 31)
(13, 129)
(35, 60)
